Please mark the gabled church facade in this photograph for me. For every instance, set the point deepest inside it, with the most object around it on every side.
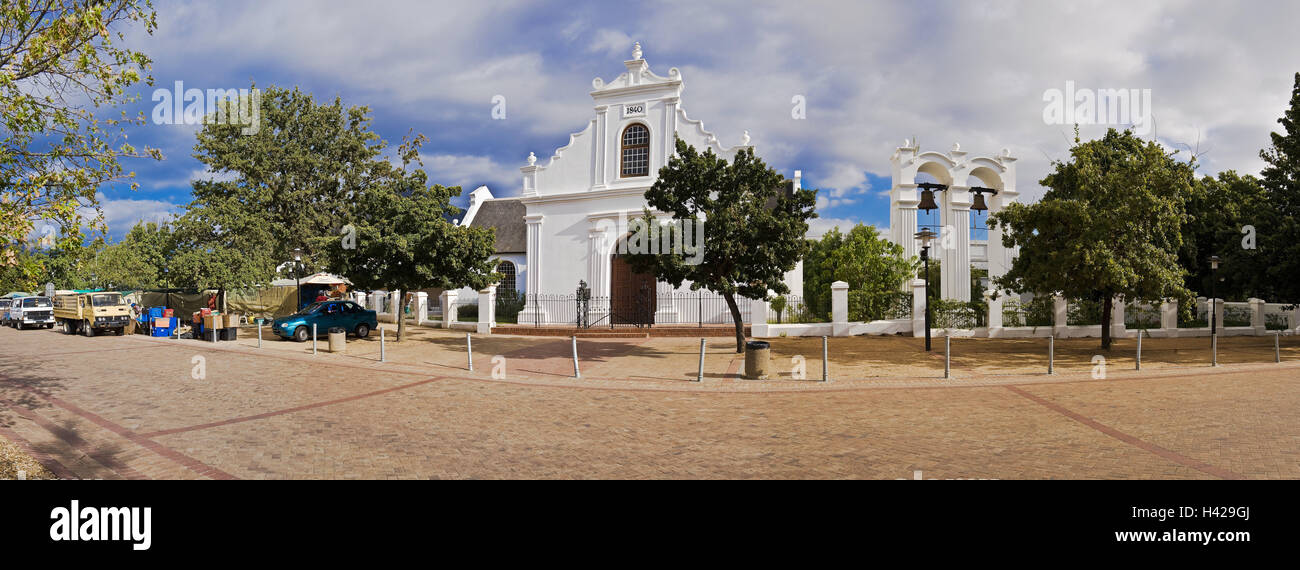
(566, 225)
(578, 201)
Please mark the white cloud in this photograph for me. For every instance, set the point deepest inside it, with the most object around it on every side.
(611, 42)
(818, 227)
(872, 73)
(121, 214)
(469, 172)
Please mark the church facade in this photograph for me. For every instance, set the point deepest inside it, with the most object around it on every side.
(577, 203)
(574, 206)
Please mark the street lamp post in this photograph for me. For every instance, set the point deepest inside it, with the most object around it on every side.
(297, 276)
(925, 236)
(1214, 296)
(927, 205)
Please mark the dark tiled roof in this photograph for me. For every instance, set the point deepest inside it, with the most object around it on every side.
(786, 189)
(507, 217)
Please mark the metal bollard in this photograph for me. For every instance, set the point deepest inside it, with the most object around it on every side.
(699, 376)
(382, 356)
(826, 367)
(313, 339)
(259, 334)
(1051, 354)
(576, 372)
(1214, 350)
(947, 357)
(469, 348)
(1277, 347)
(1139, 355)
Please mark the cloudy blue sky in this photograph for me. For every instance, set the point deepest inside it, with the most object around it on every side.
(872, 73)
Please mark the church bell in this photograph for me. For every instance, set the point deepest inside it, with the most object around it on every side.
(927, 201)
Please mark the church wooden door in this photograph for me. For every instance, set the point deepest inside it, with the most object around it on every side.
(632, 295)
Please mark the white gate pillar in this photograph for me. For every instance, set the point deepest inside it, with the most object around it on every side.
(487, 309)
(993, 299)
(449, 308)
(840, 308)
(1257, 316)
(421, 307)
(1169, 316)
(918, 308)
(1117, 327)
(1060, 316)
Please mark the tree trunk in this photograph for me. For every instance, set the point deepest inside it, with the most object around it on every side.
(400, 310)
(740, 323)
(1106, 308)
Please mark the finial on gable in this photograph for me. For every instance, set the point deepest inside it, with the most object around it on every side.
(744, 141)
(532, 159)
(636, 51)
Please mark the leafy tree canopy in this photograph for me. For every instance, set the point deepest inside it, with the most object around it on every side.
(281, 188)
(403, 239)
(59, 65)
(753, 232)
(874, 268)
(1110, 224)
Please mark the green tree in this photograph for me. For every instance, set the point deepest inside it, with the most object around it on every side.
(874, 268)
(285, 187)
(404, 240)
(69, 264)
(220, 244)
(140, 261)
(294, 178)
(1279, 229)
(1110, 224)
(753, 232)
(1218, 209)
(59, 66)
(24, 274)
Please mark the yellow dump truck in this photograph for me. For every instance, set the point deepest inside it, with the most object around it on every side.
(91, 313)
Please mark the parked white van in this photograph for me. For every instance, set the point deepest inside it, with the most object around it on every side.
(34, 312)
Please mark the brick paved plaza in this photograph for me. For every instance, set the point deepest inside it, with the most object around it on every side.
(128, 407)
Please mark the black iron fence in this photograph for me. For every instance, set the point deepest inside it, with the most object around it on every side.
(633, 310)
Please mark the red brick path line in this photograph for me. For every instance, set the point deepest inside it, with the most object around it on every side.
(76, 442)
(265, 415)
(41, 457)
(180, 458)
(1131, 440)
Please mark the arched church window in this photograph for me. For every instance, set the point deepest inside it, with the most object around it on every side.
(507, 271)
(636, 150)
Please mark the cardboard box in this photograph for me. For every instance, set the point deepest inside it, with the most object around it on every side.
(211, 322)
(232, 320)
(162, 322)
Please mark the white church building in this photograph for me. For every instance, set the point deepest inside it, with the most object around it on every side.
(576, 205)
(573, 208)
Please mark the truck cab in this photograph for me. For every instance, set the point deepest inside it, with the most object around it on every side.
(92, 313)
(31, 312)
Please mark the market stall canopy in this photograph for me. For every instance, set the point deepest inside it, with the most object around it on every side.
(13, 295)
(315, 279)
